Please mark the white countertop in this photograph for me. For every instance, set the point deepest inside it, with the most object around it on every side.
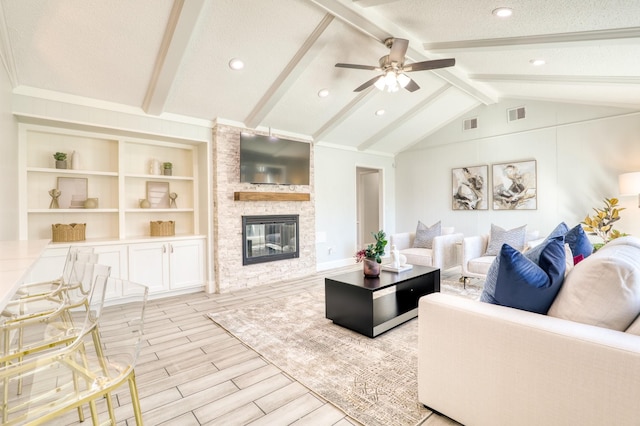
(16, 259)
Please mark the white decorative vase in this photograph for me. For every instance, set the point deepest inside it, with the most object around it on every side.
(75, 161)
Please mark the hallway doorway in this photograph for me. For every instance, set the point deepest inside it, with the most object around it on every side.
(369, 204)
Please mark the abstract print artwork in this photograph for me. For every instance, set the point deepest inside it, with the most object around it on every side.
(470, 188)
(514, 186)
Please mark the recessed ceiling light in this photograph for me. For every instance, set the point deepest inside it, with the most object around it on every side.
(502, 12)
(380, 112)
(323, 93)
(236, 64)
(537, 62)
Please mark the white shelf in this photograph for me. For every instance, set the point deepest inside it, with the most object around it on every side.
(159, 177)
(70, 171)
(65, 211)
(159, 210)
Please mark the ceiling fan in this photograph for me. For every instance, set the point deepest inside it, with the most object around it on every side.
(393, 68)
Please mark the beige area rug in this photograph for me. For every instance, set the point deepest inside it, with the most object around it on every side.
(372, 380)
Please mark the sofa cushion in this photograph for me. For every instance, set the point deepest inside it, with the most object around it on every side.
(418, 256)
(604, 289)
(514, 237)
(579, 242)
(634, 328)
(527, 285)
(425, 235)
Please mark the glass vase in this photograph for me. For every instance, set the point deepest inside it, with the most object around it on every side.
(371, 268)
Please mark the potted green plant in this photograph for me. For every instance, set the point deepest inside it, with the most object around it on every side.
(61, 160)
(372, 255)
(167, 168)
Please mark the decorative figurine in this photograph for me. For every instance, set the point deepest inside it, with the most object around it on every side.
(172, 202)
(55, 193)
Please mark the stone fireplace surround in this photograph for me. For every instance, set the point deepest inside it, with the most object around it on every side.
(229, 273)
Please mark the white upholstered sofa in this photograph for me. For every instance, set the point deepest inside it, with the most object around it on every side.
(442, 255)
(484, 364)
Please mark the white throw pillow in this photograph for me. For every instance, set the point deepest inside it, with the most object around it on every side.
(603, 289)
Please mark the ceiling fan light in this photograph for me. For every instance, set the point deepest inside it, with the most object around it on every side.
(403, 80)
(379, 83)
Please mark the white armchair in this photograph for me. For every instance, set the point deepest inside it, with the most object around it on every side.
(474, 263)
(443, 255)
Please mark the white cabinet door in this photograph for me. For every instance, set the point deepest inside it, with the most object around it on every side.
(149, 265)
(114, 256)
(186, 264)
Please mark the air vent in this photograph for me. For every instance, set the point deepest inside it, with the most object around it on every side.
(470, 123)
(515, 114)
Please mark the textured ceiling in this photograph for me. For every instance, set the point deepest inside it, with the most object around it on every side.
(166, 56)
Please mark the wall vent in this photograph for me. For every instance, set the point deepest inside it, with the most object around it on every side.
(470, 123)
(515, 114)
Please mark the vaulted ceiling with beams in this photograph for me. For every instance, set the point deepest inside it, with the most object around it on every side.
(173, 56)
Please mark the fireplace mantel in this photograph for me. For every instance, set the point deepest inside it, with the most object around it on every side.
(271, 196)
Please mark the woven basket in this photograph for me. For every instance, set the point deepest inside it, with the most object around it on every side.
(161, 228)
(63, 233)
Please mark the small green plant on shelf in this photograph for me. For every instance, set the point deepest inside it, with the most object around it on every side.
(167, 168)
(60, 156)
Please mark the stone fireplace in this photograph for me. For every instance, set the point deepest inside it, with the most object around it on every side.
(269, 238)
(230, 273)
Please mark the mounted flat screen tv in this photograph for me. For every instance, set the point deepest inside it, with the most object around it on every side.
(276, 161)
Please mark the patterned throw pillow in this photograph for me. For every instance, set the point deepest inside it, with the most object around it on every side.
(425, 235)
(514, 237)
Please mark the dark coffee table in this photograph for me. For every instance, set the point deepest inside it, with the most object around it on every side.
(372, 306)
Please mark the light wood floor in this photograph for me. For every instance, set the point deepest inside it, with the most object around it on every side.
(192, 372)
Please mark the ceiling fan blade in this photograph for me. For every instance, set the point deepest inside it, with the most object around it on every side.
(429, 65)
(367, 84)
(358, 67)
(398, 50)
(412, 86)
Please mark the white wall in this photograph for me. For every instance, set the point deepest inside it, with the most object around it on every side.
(8, 162)
(335, 184)
(580, 151)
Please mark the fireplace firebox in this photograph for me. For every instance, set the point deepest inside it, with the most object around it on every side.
(269, 238)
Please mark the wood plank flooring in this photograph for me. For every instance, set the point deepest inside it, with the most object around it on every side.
(192, 372)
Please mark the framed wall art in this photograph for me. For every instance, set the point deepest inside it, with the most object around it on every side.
(515, 186)
(158, 194)
(73, 192)
(469, 188)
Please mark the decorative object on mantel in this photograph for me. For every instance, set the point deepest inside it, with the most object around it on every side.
(61, 160)
(172, 202)
(167, 167)
(371, 256)
(159, 228)
(91, 203)
(63, 233)
(75, 161)
(55, 193)
(601, 224)
(144, 203)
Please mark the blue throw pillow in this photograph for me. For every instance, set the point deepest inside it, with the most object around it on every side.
(524, 285)
(534, 253)
(489, 290)
(578, 242)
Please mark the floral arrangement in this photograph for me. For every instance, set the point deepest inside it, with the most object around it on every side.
(373, 251)
(601, 223)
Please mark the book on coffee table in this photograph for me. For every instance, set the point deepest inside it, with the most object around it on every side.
(402, 268)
